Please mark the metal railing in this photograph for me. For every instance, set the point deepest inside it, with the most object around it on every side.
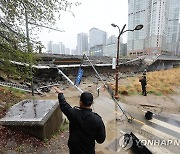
(16, 86)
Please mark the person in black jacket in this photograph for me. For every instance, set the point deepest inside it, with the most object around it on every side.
(85, 126)
(143, 84)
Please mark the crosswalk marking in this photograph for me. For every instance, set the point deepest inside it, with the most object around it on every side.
(164, 124)
(157, 132)
(154, 149)
(159, 129)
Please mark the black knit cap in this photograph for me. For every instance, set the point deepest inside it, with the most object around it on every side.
(86, 98)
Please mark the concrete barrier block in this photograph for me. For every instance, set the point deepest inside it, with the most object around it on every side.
(40, 118)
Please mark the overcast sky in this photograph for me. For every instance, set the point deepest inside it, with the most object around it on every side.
(91, 13)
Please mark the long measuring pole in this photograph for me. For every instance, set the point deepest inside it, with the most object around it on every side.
(112, 95)
(70, 80)
(72, 84)
(95, 70)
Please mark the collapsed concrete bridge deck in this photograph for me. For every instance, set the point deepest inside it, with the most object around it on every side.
(70, 64)
(46, 69)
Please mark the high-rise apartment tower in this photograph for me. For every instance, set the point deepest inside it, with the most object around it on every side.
(160, 19)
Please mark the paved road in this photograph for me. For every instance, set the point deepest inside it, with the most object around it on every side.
(157, 133)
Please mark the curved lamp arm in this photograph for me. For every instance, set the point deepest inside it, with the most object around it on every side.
(127, 31)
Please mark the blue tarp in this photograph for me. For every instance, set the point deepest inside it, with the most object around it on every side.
(79, 77)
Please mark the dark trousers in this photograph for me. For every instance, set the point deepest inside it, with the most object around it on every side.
(144, 90)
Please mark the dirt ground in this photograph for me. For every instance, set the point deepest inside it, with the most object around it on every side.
(169, 103)
(12, 141)
(165, 104)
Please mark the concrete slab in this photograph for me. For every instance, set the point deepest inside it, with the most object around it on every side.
(40, 118)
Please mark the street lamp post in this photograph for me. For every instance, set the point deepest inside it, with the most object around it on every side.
(138, 27)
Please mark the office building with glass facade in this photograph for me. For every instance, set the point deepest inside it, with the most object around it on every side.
(82, 43)
(97, 37)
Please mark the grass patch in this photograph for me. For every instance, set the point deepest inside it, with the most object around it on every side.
(158, 83)
(17, 91)
(13, 90)
(9, 97)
